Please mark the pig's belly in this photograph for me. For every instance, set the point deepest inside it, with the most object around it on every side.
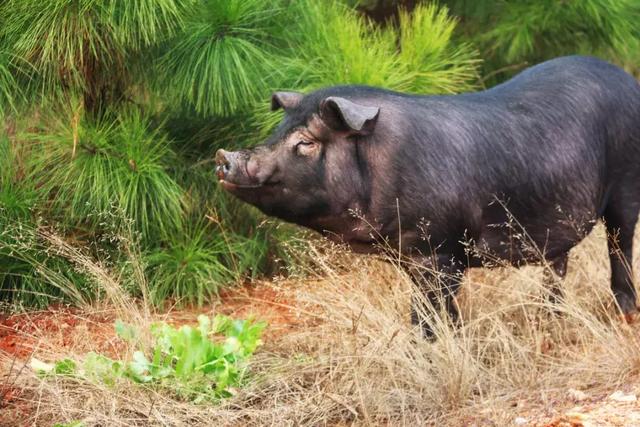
(533, 242)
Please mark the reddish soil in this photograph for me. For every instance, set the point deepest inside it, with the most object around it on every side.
(263, 301)
(73, 331)
(67, 328)
(21, 334)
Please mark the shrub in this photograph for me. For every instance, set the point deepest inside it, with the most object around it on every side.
(84, 46)
(331, 44)
(29, 273)
(514, 34)
(190, 267)
(118, 163)
(222, 59)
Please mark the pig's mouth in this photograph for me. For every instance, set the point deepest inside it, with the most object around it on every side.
(232, 186)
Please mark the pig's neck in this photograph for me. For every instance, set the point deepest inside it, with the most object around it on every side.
(351, 227)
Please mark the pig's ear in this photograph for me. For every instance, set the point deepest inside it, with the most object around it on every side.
(285, 100)
(342, 114)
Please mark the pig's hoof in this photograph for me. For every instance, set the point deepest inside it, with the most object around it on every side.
(626, 303)
(628, 308)
(630, 318)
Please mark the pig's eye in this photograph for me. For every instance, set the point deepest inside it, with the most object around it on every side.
(305, 147)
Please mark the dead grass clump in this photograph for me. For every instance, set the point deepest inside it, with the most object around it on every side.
(354, 357)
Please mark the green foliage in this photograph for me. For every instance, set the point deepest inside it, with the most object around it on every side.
(29, 272)
(188, 361)
(513, 34)
(85, 46)
(10, 91)
(17, 195)
(530, 29)
(337, 46)
(190, 268)
(221, 60)
(34, 274)
(115, 164)
(331, 44)
(427, 50)
(16, 201)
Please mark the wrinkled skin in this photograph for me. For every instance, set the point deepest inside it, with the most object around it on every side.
(549, 152)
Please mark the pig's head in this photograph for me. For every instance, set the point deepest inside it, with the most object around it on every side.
(311, 170)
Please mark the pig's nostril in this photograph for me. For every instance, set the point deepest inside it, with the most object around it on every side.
(222, 170)
(223, 165)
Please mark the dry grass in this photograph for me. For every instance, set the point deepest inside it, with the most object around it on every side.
(354, 357)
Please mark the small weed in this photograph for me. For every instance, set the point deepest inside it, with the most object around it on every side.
(188, 360)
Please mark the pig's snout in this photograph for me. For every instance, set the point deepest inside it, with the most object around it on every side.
(232, 171)
(238, 169)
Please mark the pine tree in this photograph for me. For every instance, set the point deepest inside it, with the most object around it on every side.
(513, 34)
(119, 104)
(85, 47)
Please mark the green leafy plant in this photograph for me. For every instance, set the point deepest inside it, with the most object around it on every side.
(192, 361)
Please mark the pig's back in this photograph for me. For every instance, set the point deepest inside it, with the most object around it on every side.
(571, 133)
(546, 146)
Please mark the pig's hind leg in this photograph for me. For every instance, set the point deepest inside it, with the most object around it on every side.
(620, 217)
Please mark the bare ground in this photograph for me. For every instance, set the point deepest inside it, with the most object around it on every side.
(340, 350)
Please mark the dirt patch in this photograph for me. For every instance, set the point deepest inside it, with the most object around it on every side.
(62, 331)
(70, 330)
(63, 328)
(261, 300)
(596, 408)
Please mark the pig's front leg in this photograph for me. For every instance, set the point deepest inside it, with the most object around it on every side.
(436, 279)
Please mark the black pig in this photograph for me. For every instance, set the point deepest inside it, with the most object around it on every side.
(552, 150)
